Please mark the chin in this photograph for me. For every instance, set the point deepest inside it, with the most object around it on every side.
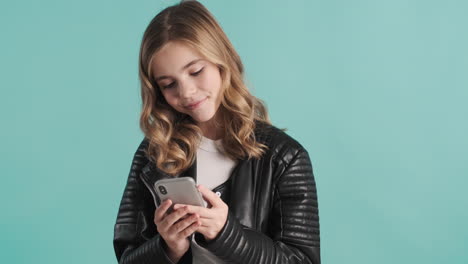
(203, 119)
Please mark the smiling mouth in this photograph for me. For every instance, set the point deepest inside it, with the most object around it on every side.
(195, 105)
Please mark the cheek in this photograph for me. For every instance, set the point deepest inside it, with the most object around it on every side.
(170, 99)
(213, 82)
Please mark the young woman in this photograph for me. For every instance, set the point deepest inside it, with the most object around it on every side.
(200, 120)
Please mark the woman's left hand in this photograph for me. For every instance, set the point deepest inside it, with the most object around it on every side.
(212, 218)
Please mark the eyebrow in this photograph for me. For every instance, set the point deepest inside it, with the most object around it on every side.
(183, 68)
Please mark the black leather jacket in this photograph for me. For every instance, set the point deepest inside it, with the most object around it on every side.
(273, 210)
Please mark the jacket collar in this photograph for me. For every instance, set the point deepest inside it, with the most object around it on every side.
(241, 173)
(151, 173)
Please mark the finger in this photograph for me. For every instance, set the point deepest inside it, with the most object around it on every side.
(203, 229)
(192, 209)
(175, 216)
(210, 196)
(181, 225)
(207, 232)
(161, 210)
(190, 230)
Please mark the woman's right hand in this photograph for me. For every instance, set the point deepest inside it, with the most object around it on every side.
(175, 228)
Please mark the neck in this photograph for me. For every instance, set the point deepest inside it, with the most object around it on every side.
(211, 130)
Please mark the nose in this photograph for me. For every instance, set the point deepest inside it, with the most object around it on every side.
(186, 89)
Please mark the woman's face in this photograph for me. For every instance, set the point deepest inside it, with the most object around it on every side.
(190, 84)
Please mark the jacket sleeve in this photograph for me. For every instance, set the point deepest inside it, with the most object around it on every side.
(294, 223)
(135, 235)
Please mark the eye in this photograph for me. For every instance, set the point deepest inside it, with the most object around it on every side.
(169, 85)
(197, 73)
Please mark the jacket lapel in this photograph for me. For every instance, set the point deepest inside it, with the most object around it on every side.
(242, 192)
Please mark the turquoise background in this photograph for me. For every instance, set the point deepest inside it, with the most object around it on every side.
(375, 90)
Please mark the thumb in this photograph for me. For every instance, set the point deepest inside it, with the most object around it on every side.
(209, 195)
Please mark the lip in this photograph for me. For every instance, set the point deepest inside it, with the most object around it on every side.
(195, 105)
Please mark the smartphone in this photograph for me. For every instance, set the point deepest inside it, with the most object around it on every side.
(180, 190)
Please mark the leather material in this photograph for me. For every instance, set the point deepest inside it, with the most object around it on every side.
(273, 209)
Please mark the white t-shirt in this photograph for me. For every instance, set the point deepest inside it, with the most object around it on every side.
(213, 169)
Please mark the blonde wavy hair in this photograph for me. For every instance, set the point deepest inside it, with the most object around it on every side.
(173, 136)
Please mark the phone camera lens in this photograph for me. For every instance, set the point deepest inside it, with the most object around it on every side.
(162, 189)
